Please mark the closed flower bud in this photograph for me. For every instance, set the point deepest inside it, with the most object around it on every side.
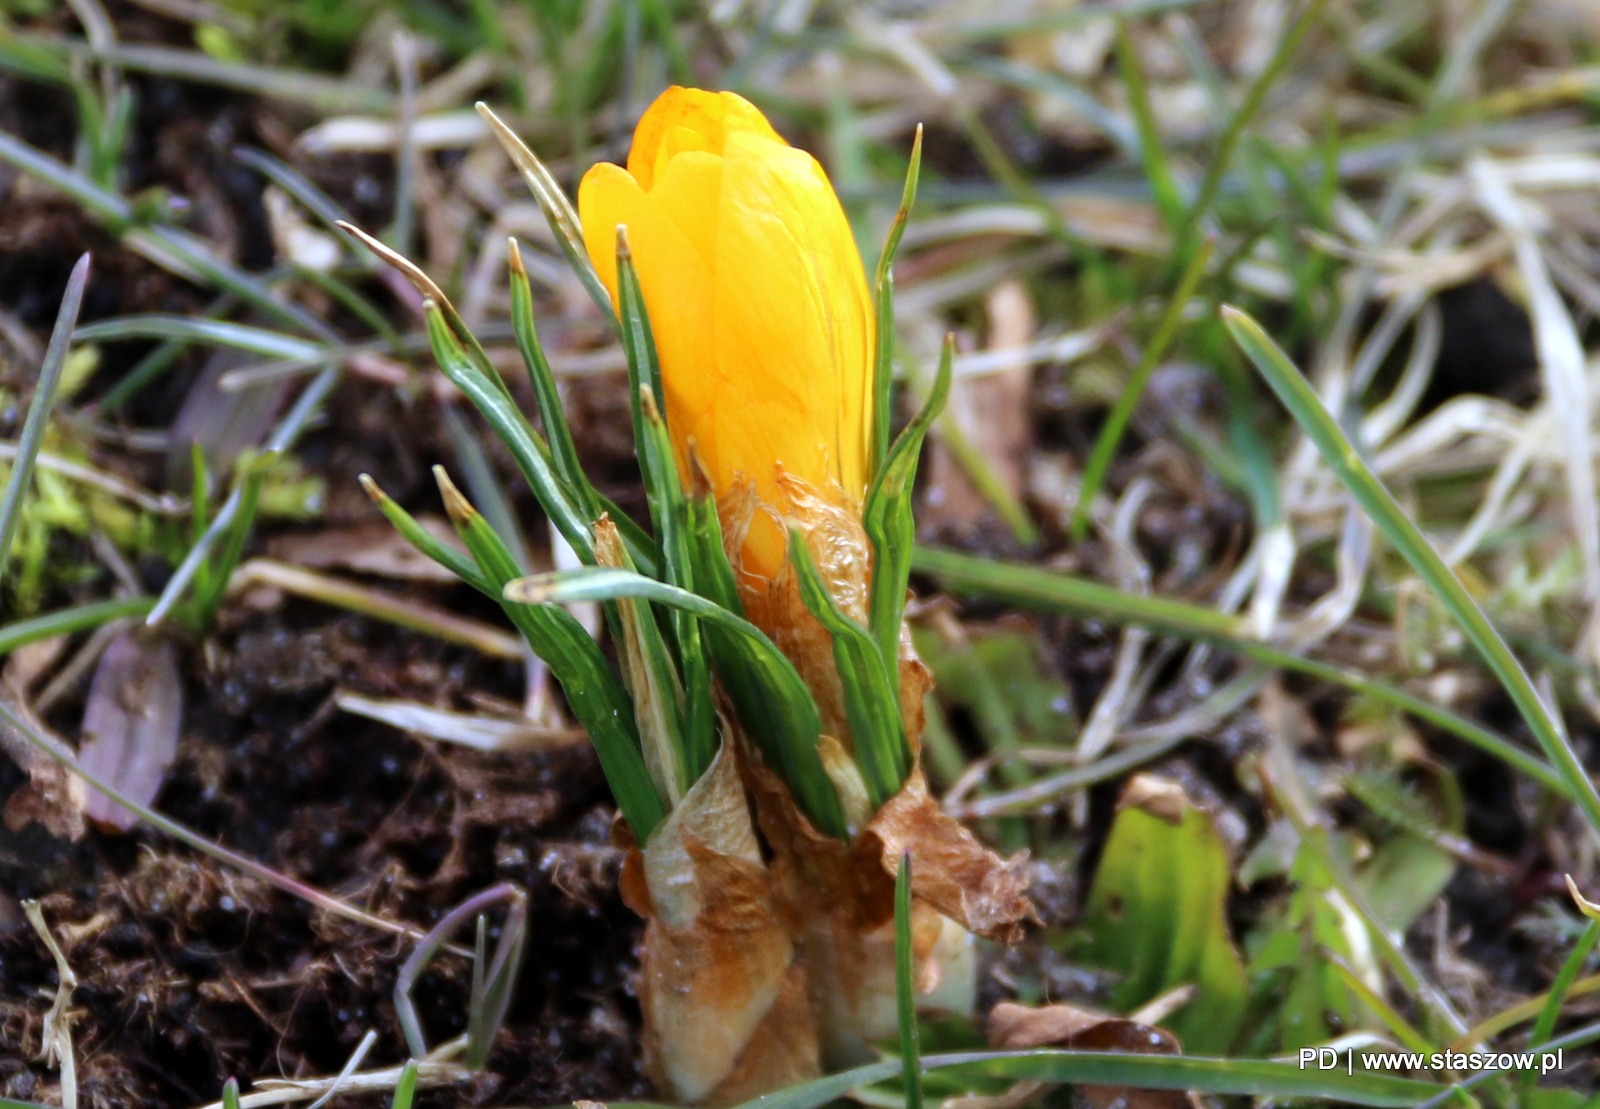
(757, 301)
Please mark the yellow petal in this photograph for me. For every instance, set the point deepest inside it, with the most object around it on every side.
(709, 114)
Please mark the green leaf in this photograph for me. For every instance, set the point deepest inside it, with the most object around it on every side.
(526, 446)
(593, 692)
(44, 397)
(405, 1090)
(887, 517)
(190, 329)
(883, 313)
(668, 511)
(1157, 916)
(202, 607)
(69, 620)
(558, 434)
(462, 566)
(1246, 1077)
(1157, 171)
(1105, 447)
(558, 211)
(790, 749)
(904, 985)
(871, 697)
(1403, 534)
(1052, 591)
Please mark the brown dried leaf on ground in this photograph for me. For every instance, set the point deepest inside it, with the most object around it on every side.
(131, 723)
(1015, 1027)
(52, 796)
(374, 548)
(992, 412)
(727, 1011)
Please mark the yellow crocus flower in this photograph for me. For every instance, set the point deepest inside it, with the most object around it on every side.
(756, 296)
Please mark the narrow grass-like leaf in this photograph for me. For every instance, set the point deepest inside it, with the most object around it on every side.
(1152, 148)
(1222, 156)
(558, 211)
(462, 566)
(664, 492)
(282, 438)
(208, 593)
(871, 698)
(905, 985)
(68, 620)
(436, 939)
(1105, 447)
(492, 984)
(297, 185)
(230, 1094)
(1352, 471)
(593, 692)
(1047, 590)
(791, 751)
(44, 398)
(1571, 967)
(1263, 1078)
(430, 291)
(883, 306)
(487, 491)
(557, 433)
(190, 329)
(405, 1090)
(775, 731)
(888, 520)
(530, 451)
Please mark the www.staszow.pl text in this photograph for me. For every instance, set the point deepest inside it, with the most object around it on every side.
(1326, 1058)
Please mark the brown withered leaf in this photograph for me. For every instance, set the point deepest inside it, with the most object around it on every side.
(131, 723)
(52, 796)
(1015, 1027)
(954, 873)
(727, 1011)
(992, 412)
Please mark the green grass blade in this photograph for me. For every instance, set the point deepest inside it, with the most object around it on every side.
(190, 329)
(1571, 967)
(1152, 151)
(282, 438)
(1264, 1078)
(791, 748)
(208, 594)
(230, 1094)
(558, 211)
(405, 1090)
(529, 450)
(668, 511)
(883, 305)
(1222, 157)
(904, 985)
(487, 491)
(68, 620)
(1105, 447)
(44, 397)
(462, 566)
(557, 433)
(1047, 590)
(297, 185)
(593, 692)
(888, 520)
(871, 698)
(1352, 471)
